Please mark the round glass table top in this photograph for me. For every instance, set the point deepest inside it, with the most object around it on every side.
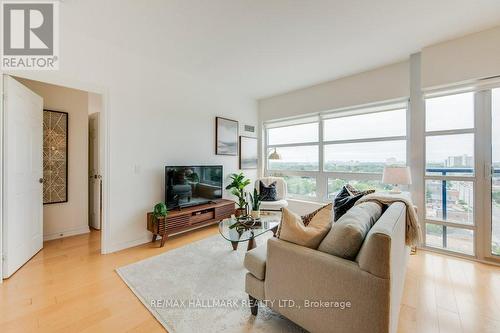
(241, 231)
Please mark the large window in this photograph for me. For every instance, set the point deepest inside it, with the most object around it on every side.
(317, 156)
(450, 172)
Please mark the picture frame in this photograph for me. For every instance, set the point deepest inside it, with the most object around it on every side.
(226, 136)
(55, 156)
(249, 155)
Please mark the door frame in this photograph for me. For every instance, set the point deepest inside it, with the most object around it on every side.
(104, 132)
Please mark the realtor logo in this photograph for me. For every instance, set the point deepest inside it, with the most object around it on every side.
(30, 32)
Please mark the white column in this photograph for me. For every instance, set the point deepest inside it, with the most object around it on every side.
(416, 137)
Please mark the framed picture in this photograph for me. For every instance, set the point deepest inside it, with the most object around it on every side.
(226, 136)
(248, 153)
(55, 157)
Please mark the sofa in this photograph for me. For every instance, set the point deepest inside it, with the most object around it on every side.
(372, 283)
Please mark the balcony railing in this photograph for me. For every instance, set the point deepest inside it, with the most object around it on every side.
(444, 196)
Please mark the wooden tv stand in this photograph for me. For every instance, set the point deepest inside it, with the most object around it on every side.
(189, 218)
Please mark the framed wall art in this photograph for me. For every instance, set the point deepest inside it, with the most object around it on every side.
(248, 153)
(226, 136)
(55, 157)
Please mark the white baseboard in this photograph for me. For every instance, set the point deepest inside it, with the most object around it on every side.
(125, 245)
(66, 233)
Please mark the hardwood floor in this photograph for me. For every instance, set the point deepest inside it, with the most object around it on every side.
(70, 287)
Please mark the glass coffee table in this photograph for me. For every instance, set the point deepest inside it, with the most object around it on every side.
(237, 232)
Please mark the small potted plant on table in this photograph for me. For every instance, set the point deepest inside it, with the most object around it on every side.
(160, 213)
(255, 200)
(237, 187)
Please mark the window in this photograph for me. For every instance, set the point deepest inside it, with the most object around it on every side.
(320, 154)
(450, 172)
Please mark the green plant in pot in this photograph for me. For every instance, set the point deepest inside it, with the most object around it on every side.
(237, 188)
(255, 201)
(160, 211)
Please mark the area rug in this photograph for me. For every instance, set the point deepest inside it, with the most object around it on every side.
(201, 288)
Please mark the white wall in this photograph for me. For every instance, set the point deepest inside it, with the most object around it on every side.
(158, 116)
(469, 58)
(377, 85)
(69, 218)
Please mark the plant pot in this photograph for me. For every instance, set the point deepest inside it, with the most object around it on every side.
(255, 214)
(239, 212)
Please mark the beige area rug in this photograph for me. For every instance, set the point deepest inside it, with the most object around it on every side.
(201, 288)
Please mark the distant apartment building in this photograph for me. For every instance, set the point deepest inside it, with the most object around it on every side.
(463, 161)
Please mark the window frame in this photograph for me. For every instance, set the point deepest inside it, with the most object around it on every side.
(474, 178)
(321, 175)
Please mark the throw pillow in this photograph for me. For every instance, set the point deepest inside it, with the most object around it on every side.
(347, 235)
(306, 219)
(268, 193)
(343, 202)
(354, 191)
(294, 231)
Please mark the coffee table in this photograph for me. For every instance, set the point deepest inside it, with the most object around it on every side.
(237, 232)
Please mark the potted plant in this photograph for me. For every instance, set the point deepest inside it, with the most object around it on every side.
(255, 200)
(160, 211)
(237, 188)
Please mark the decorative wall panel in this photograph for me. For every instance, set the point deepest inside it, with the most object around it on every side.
(55, 157)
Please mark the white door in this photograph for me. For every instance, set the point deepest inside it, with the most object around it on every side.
(95, 182)
(23, 175)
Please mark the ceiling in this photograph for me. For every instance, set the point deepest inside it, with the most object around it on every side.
(262, 48)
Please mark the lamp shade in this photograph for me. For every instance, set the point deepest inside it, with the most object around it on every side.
(274, 155)
(397, 175)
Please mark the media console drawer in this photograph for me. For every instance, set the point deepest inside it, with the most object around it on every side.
(199, 217)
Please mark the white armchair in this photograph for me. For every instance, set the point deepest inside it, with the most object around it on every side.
(282, 192)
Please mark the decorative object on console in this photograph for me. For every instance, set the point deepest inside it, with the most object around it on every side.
(343, 202)
(55, 157)
(248, 153)
(396, 176)
(237, 188)
(293, 230)
(226, 136)
(160, 210)
(255, 200)
(281, 193)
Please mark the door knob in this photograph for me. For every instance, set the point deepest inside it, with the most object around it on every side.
(40, 180)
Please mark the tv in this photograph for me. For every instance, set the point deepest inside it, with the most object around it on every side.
(192, 185)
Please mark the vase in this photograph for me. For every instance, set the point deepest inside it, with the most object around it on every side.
(255, 214)
(239, 212)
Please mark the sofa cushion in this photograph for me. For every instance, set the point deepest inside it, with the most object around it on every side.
(292, 228)
(348, 233)
(268, 193)
(255, 261)
(343, 202)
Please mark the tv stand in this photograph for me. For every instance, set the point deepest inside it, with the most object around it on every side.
(189, 218)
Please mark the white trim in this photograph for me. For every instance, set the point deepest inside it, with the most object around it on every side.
(1, 173)
(67, 233)
(302, 144)
(462, 87)
(365, 140)
(128, 244)
(451, 224)
(105, 144)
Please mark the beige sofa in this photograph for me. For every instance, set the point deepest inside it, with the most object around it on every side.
(373, 283)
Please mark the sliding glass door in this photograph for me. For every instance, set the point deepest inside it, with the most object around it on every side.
(450, 176)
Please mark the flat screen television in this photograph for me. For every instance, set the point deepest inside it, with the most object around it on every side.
(192, 185)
